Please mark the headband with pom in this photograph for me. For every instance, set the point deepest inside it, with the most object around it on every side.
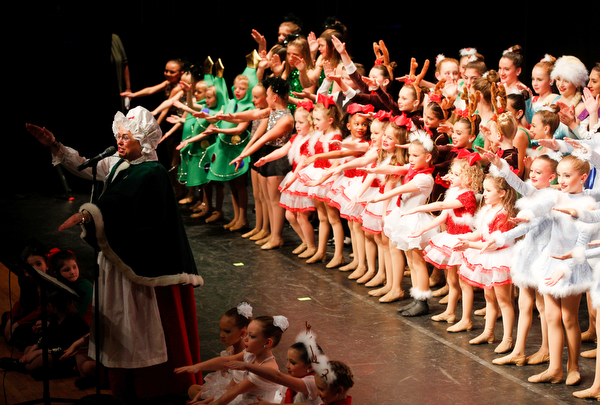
(309, 340)
(467, 52)
(142, 125)
(281, 322)
(323, 369)
(570, 69)
(245, 310)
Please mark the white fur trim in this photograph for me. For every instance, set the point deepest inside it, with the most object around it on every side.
(579, 254)
(161, 281)
(571, 69)
(529, 214)
(499, 238)
(420, 295)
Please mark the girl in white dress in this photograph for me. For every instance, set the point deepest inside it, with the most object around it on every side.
(264, 333)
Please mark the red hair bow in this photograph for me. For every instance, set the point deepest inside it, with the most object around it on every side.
(435, 98)
(356, 108)
(402, 121)
(327, 101)
(382, 115)
(307, 105)
(462, 113)
(470, 157)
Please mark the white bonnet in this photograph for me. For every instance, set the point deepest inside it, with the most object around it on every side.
(571, 69)
(142, 125)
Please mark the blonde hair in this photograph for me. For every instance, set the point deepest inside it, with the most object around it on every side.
(399, 158)
(332, 112)
(510, 196)
(471, 175)
(507, 125)
(581, 166)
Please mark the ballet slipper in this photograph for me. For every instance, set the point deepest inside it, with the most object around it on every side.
(259, 235)
(538, 358)
(505, 346)
(516, 359)
(440, 292)
(262, 241)
(317, 258)
(250, 233)
(589, 354)
(444, 317)
(420, 308)
(199, 207)
(358, 273)
(407, 272)
(376, 281)
(460, 327)
(365, 277)
(573, 377)
(353, 265)
(391, 296)
(271, 245)
(239, 226)
(444, 300)
(215, 216)
(435, 279)
(545, 377)
(486, 337)
(301, 248)
(229, 225)
(186, 200)
(335, 262)
(480, 312)
(308, 253)
(200, 214)
(588, 393)
(379, 292)
(588, 336)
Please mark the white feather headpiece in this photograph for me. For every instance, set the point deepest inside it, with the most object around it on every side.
(423, 137)
(467, 52)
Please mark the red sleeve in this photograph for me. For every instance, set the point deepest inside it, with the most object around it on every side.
(501, 223)
(469, 202)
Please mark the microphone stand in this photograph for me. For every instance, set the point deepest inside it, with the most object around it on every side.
(96, 398)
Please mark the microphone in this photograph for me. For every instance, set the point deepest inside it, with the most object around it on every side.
(111, 150)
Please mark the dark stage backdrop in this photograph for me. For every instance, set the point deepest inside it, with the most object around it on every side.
(64, 81)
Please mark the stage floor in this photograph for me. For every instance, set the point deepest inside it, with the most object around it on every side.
(395, 360)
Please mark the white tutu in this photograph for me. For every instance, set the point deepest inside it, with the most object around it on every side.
(295, 197)
(440, 252)
(488, 269)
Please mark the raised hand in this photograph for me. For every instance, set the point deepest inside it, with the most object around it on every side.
(44, 136)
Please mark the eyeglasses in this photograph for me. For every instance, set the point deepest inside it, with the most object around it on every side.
(126, 138)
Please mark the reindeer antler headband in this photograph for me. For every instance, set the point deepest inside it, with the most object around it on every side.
(414, 79)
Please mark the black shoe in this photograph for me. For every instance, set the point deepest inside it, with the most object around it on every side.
(10, 364)
(420, 308)
(406, 307)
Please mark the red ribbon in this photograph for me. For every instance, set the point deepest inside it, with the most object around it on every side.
(355, 108)
(402, 121)
(462, 113)
(325, 100)
(308, 105)
(471, 157)
(435, 98)
(412, 173)
(382, 115)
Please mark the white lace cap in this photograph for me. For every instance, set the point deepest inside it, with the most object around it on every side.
(281, 322)
(467, 51)
(245, 310)
(142, 125)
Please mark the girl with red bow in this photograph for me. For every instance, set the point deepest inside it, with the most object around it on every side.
(357, 121)
(327, 124)
(293, 193)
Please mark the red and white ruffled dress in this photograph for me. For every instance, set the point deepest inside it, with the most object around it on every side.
(294, 198)
(460, 221)
(317, 169)
(492, 268)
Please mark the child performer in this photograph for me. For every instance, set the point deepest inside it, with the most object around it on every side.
(297, 206)
(416, 188)
(300, 379)
(233, 327)
(491, 270)
(264, 333)
(327, 122)
(529, 251)
(458, 209)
